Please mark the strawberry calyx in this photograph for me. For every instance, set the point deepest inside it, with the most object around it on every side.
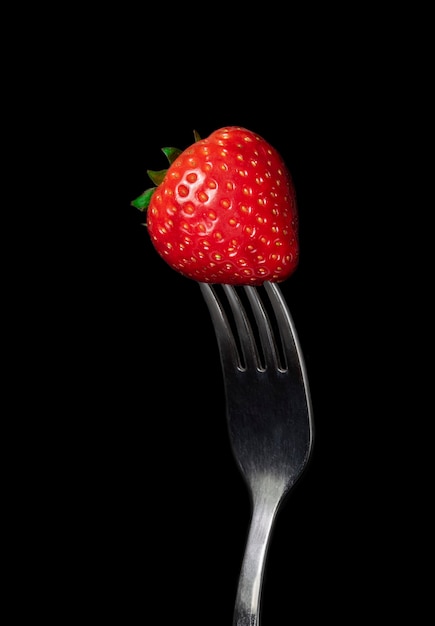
(157, 176)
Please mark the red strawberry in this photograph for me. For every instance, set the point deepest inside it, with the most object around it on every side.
(225, 210)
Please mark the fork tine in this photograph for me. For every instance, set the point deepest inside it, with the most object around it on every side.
(264, 328)
(289, 339)
(246, 336)
(225, 338)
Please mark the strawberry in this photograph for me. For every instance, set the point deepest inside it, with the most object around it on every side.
(225, 210)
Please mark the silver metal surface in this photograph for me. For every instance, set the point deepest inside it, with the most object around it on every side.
(269, 414)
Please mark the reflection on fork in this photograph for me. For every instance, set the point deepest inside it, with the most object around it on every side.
(269, 413)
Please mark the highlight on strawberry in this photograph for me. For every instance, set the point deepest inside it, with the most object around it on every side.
(225, 210)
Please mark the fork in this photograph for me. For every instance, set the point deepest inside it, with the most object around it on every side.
(269, 414)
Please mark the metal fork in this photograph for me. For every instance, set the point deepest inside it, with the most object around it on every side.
(269, 413)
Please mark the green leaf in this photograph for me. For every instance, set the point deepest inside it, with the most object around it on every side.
(157, 177)
(171, 154)
(143, 200)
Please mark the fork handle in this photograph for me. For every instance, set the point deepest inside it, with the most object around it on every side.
(247, 606)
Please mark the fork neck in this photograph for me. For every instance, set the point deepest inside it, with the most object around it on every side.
(266, 497)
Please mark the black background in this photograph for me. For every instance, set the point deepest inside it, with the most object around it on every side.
(140, 499)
